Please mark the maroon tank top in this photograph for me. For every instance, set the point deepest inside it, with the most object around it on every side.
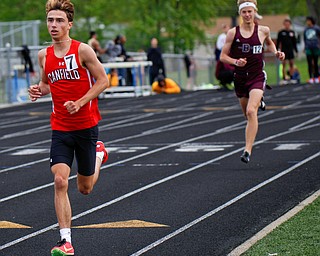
(250, 48)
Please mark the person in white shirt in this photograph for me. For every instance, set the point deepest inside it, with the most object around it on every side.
(221, 40)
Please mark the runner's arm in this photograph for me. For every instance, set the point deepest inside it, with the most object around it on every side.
(38, 90)
(224, 57)
(89, 60)
(270, 44)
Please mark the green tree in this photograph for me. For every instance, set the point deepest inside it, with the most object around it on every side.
(178, 24)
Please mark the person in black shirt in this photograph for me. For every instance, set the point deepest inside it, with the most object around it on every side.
(311, 37)
(155, 56)
(287, 43)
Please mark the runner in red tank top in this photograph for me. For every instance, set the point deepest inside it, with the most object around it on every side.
(68, 71)
(244, 49)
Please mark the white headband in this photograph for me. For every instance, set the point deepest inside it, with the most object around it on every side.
(247, 4)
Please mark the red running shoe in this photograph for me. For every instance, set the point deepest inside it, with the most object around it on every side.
(101, 148)
(63, 248)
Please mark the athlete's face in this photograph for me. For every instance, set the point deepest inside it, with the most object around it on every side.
(247, 14)
(58, 24)
(287, 25)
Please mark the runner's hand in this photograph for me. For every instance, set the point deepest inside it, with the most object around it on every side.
(34, 92)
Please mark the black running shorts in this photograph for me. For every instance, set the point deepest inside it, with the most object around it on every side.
(81, 144)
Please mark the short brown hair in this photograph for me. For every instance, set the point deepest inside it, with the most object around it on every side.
(62, 5)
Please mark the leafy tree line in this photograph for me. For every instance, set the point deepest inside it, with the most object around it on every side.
(179, 24)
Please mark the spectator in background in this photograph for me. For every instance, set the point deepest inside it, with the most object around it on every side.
(165, 85)
(155, 56)
(224, 73)
(287, 43)
(312, 48)
(112, 50)
(95, 45)
(191, 70)
(221, 40)
(124, 74)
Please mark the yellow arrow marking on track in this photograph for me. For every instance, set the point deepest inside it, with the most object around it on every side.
(125, 224)
(8, 224)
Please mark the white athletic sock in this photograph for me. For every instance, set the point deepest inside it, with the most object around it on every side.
(100, 155)
(65, 233)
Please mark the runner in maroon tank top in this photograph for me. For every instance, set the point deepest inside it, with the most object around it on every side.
(244, 49)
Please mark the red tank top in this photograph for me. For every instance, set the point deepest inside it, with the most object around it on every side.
(69, 81)
(250, 48)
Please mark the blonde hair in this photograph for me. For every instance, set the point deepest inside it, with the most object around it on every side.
(250, 1)
(62, 5)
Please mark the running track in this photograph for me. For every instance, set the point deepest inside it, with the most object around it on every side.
(174, 183)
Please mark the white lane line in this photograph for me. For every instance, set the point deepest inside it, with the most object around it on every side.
(171, 177)
(109, 165)
(24, 165)
(118, 140)
(227, 129)
(25, 120)
(165, 127)
(124, 121)
(24, 146)
(32, 131)
(305, 123)
(221, 207)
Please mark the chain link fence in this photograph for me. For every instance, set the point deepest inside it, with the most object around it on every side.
(15, 75)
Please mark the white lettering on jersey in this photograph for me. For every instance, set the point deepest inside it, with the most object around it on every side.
(246, 47)
(63, 74)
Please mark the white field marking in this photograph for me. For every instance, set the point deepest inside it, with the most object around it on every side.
(26, 132)
(297, 89)
(47, 128)
(155, 165)
(313, 98)
(103, 167)
(134, 118)
(46, 159)
(289, 117)
(225, 129)
(179, 127)
(305, 123)
(171, 177)
(225, 205)
(16, 121)
(196, 147)
(24, 146)
(26, 192)
(31, 151)
(24, 123)
(281, 94)
(24, 165)
(106, 127)
(290, 146)
(165, 127)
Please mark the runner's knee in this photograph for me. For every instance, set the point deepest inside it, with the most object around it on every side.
(60, 183)
(84, 189)
(251, 112)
